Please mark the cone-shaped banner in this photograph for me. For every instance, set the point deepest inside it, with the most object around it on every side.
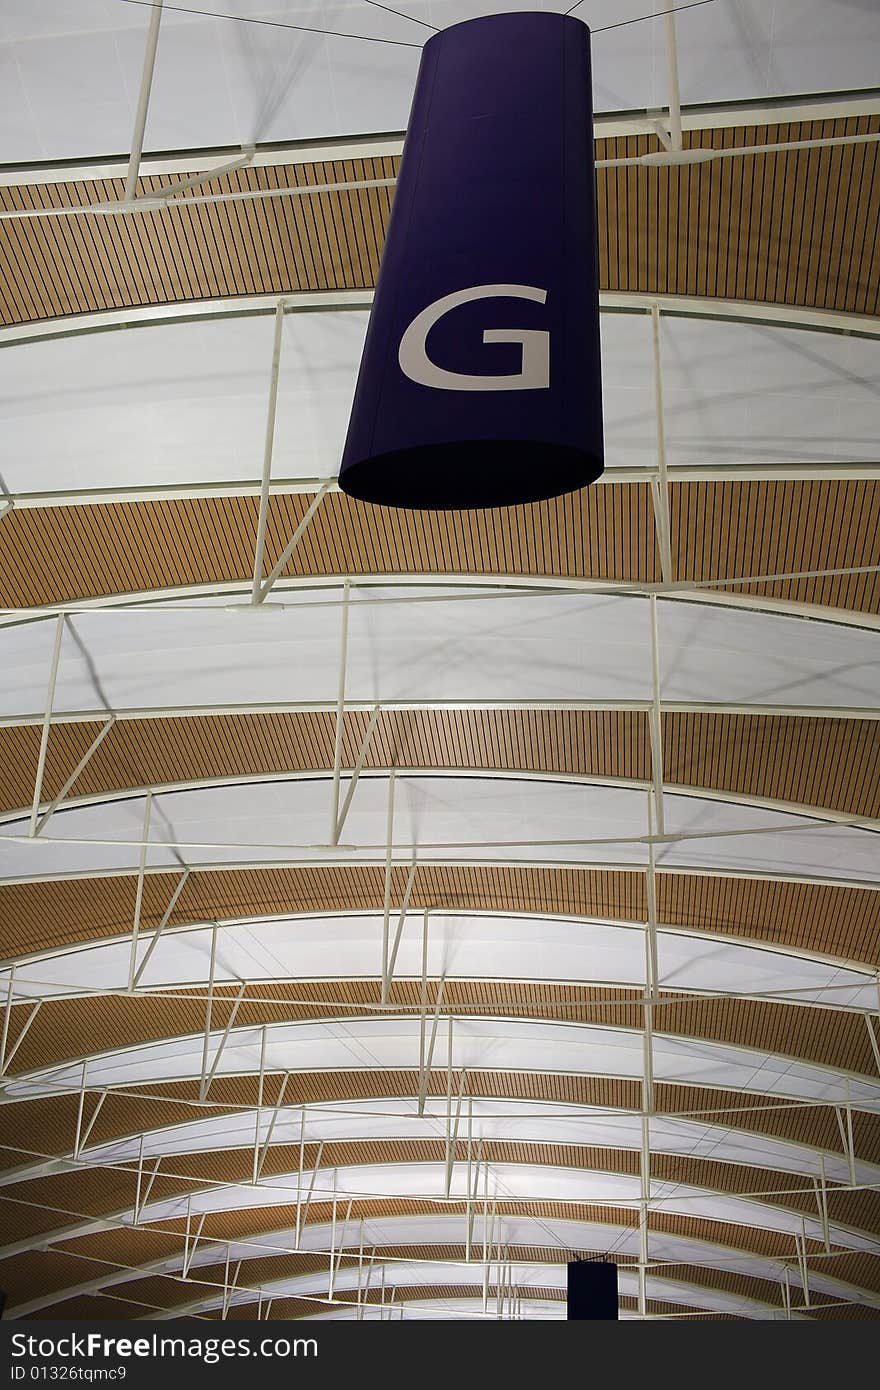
(480, 380)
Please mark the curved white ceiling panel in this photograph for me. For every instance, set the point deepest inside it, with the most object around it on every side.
(524, 1276)
(437, 1229)
(72, 72)
(510, 1230)
(178, 402)
(441, 644)
(507, 1182)
(184, 402)
(506, 1120)
(506, 1045)
(470, 946)
(529, 1277)
(438, 818)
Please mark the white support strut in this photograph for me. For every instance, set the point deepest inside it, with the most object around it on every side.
(139, 891)
(47, 722)
(140, 119)
(340, 712)
(268, 447)
(80, 767)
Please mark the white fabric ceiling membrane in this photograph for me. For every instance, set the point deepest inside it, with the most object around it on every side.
(438, 819)
(184, 402)
(524, 1276)
(510, 1232)
(72, 73)
(479, 1044)
(414, 643)
(461, 946)
(508, 1182)
(505, 1120)
(450, 1309)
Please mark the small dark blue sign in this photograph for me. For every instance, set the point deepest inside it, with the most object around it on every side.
(480, 382)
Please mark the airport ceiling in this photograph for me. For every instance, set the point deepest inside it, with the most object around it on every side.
(396, 905)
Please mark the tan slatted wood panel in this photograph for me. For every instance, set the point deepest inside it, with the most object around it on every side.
(208, 1282)
(46, 1126)
(145, 752)
(831, 763)
(708, 229)
(31, 1274)
(721, 531)
(735, 530)
(114, 1304)
(40, 916)
(49, 555)
(67, 1029)
(47, 1204)
(45, 915)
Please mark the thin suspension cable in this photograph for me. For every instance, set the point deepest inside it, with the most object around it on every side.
(642, 18)
(402, 15)
(278, 23)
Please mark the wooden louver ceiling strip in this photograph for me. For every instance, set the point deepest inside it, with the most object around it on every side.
(42, 916)
(46, 1126)
(828, 763)
(720, 531)
(698, 230)
(43, 1206)
(67, 1029)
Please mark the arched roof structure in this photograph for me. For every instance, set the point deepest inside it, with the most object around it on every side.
(397, 905)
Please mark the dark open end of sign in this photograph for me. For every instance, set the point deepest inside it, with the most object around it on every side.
(488, 473)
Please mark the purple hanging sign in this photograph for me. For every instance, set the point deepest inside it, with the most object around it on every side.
(480, 379)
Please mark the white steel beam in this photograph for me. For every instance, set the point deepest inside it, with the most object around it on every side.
(664, 156)
(160, 197)
(783, 110)
(82, 1134)
(80, 767)
(268, 447)
(355, 774)
(478, 859)
(274, 574)
(388, 972)
(144, 1186)
(205, 1085)
(872, 1037)
(721, 593)
(386, 907)
(777, 1098)
(166, 917)
(302, 1208)
(47, 722)
(825, 814)
(660, 484)
(143, 104)
(144, 713)
(671, 138)
(260, 1162)
(705, 1254)
(426, 1048)
(739, 470)
(340, 715)
(316, 301)
(191, 1237)
(139, 891)
(7, 1054)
